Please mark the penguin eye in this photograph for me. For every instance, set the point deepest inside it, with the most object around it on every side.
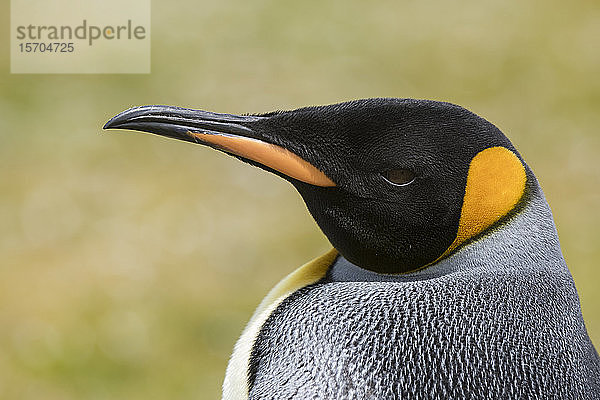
(399, 177)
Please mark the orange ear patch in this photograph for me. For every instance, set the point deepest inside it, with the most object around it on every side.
(269, 155)
(495, 184)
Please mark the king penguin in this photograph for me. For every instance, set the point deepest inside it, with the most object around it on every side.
(446, 279)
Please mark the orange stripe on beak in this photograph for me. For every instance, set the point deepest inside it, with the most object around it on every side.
(269, 155)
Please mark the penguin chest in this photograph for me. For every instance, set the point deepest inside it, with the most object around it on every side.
(497, 338)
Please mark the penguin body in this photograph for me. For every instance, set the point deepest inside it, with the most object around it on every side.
(488, 322)
(447, 279)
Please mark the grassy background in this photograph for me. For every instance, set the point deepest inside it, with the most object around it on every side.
(130, 263)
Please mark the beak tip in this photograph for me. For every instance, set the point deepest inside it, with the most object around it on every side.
(112, 123)
(121, 118)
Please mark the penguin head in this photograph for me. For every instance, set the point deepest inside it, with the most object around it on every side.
(395, 184)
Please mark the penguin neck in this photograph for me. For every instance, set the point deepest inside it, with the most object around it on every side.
(527, 240)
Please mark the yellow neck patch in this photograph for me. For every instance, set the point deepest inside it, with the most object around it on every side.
(495, 184)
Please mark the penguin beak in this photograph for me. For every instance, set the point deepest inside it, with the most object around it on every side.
(229, 133)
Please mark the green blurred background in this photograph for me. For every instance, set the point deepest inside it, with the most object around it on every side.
(130, 263)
